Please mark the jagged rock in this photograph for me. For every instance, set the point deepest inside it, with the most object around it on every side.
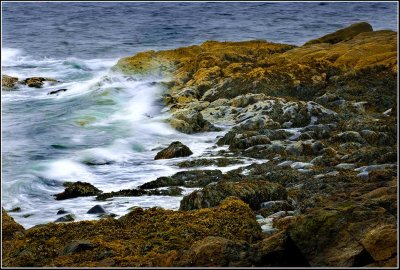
(252, 192)
(77, 189)
(175, 149)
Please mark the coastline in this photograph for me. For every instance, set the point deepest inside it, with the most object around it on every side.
(323, 114)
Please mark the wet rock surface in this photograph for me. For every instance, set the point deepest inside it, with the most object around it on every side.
(317, 123)
(8, 82)
(252, 192)
(194, 178)
(175, 149)
(77, 189)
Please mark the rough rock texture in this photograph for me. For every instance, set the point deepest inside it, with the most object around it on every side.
(9, 228)
(77, 189)
(37, 82)
(195, 178)
(251, 192)
(175, 149)
(170, 191)
(343, 34)
(317, 124)
(8, 82)
(154, 237)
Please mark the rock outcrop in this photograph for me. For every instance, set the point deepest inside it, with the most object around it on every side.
(77, 189)
(175, 149)
(8, 82)
(316, 122)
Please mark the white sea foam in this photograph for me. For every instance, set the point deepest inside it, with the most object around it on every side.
(8, 55)
(65, 170)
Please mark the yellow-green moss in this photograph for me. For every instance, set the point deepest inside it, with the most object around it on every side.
(136, 239)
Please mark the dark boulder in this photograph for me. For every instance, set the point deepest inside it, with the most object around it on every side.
(252, 192)
(195, 178)
(61, 211)
(175, 149)
(66, 218)
(77, 189)
(97, 209)
(57, 91)
(37, 82)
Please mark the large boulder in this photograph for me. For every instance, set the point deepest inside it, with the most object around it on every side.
(77, 189)
(277, 250)
(175, 149)
(252, 192)
(343, 34)
(345, 235)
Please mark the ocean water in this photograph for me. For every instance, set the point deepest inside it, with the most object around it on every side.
(107, 128)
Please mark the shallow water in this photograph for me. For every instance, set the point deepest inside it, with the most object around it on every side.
(111, 120)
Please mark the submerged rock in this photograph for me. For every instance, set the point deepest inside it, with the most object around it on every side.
(175, 149)
(97, 209)
(62, 212)
(77, 189)
(57, 91)
(66, 218)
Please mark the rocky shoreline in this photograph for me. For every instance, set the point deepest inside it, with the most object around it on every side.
(320, 118)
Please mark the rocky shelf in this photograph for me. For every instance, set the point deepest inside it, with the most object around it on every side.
(323, 115)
